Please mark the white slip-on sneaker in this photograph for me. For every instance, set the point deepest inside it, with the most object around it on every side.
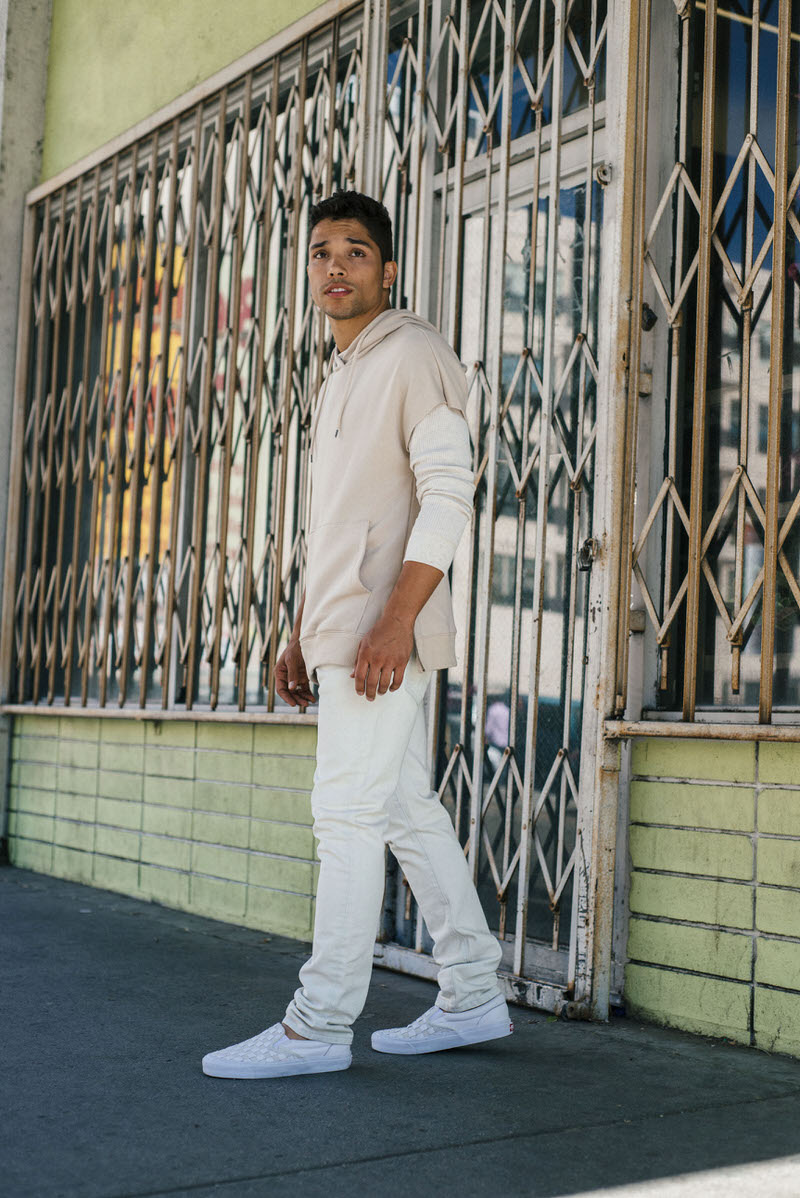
(437, 1030)
(274, 1054)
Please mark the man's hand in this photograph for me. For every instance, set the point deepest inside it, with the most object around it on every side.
(291, 677)
(383, 656)
(384, 652)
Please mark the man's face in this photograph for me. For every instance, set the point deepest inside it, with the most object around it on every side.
(345, 271)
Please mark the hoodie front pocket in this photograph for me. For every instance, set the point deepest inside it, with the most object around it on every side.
(336, 598)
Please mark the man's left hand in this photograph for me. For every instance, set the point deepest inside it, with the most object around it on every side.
(383, 656)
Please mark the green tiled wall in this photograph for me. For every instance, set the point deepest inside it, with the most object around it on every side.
(714, 939)
(211, 818)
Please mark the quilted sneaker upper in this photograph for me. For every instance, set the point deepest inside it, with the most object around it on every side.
(273, 1054)
(423, 1028)
(265, 1046)
(436, 1030)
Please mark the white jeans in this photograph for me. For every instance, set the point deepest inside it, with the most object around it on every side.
(371, 788)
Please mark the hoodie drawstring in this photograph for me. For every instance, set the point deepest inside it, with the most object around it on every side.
(349, 386)
(323, 391)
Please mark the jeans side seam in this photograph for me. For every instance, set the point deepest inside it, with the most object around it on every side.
(431, 870)
(358, 781)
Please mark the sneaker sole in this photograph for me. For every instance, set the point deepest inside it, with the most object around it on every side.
(287, 1069)
(406, 1048)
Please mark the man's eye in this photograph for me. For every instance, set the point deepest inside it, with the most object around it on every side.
(320, 253)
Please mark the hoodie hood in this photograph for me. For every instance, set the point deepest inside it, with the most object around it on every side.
(371, 335)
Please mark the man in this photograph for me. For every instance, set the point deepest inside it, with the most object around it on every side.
(391, 493)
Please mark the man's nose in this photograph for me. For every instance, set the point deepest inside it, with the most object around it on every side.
(335, 267)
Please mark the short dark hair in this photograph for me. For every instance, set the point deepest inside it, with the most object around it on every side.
(353, 205)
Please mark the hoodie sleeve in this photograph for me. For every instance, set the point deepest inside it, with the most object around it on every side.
(434, 376)
(441, 459)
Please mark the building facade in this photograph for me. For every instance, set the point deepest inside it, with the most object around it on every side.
(597, 204)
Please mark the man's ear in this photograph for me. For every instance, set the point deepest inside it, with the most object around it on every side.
(389, 274)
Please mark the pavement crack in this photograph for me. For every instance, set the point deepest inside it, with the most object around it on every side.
(376, 1159)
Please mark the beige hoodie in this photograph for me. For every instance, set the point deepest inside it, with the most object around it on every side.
(363, 494)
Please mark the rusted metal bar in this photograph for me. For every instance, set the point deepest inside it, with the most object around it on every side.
(747, 333)
(752, 20)
(135, 460)
(265, 226)
(528, 831)
(701, 361)
(363, 150)
(449, 322)
(639, 86)
(201, 447)
(191, 250)
(702, 730)
(776, 359)
(104, 388)
(229, 415)
(492, 268)
(16, 485)
(47, 581)
(222, 715)
(290, 304)
(79, 575)
(65, 407)
(564, 869)
(156, 455)
(120, 385)
(417, 240)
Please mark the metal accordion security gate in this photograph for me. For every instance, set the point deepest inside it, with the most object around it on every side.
(493, 166)
(712, 549)
(168, 361)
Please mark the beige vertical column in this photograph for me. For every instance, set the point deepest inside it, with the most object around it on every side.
(600, 760)
(24, 45)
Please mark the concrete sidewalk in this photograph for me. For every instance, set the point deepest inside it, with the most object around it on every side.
(108, 1004)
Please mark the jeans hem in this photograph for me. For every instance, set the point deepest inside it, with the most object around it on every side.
(496, 992)
(310, 1033)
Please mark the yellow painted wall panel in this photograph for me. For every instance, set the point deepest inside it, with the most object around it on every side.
(713, 854)
(777, 1021)
(690, 805)
(710, 1006)
(713, 761)
(112, 65)
(779, 812)
(778, 963)
(703, 950)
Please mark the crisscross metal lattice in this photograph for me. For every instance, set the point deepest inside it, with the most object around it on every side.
(714, 552)
(501, 248)
(165, 395)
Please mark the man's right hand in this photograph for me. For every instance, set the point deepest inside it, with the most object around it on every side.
(291, 677)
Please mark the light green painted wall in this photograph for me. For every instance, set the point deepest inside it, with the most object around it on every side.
(210, 818)
(714, 942)
(111, 65)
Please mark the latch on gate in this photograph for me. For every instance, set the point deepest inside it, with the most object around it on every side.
(587, 553)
